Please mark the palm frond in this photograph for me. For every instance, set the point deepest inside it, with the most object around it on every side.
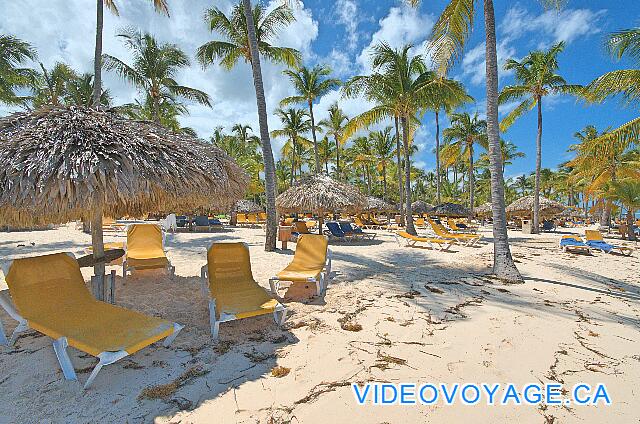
(522, 108)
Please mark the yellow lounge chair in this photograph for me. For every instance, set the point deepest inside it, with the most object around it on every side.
(233, 292)
(311, 264)
(360, 223)
(262, 217)
(145, 249)
(595, 241)
(241, 219)
(454, 227)
(49, 295)
(466, 239)
(420, 223)
(252, 219)
(434, 243)
(289, 221)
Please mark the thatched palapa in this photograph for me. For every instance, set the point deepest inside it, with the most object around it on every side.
(421, 207)
(59, 164)
(378, 205)
(483, 210)
(523, 207)
(247, 206)
(453, 210)
(320, 194)
(64, 163)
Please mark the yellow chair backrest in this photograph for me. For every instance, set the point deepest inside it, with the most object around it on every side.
(311, 224)
(252, 217)
(301, 227)
(262, 216)
(288, 221)
(229, 267)
(593, 235)
(311, 251)
(241, 218)
(144, 241)
(420, 222)
(47, 284)
(358, 221)
(438, 228)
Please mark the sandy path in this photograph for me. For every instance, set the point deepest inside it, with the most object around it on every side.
(425, 317)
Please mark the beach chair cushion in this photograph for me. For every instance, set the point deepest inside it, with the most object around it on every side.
(301, 227)
(309, 259)
(335, 230)
(419, 239)
(232, 285)
(50, 293)
(144, 247)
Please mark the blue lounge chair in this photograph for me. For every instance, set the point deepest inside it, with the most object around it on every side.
(595, 241)
(181, 221)
(569, 242)
(335, 232)
(355, 231)
(215, 223)
(202, 222)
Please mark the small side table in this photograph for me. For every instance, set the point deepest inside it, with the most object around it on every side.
(284, 234)
(110, 285)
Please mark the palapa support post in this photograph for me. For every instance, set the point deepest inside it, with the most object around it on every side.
(98, 286)
(320, 221)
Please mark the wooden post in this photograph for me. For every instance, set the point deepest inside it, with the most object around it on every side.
(97, 241)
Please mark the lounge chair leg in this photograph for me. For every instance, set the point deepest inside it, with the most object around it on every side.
(93, 375)
(60, 348)
(3, 336)
(22, 326)
(172, 270)
(176, 329)
(280, 317)
(215, 324)
(274, 284)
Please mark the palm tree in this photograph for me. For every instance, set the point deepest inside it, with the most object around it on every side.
(383, 146)
(403, 81)
(448, 38)
(537, 78)
(444, 94)
(80, 91)
(50, 86)
(247, 35)
(166, 113)
(160, 6)
(295, 123)
(310, 84)
(362, 158)
(465, 131)
(334, 126)
(627, 192)
(625, 82)
(325, 151)
(153, 70)
(13, 53)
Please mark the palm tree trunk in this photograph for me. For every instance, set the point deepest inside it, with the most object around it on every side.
(437, 158)
(407, 178)
(471, 181)
(384, 182)
(631, 235)
(503, 265)
(156, 110)
(398, 149)
(337, 159)
(315, 140)
(536, 195)
(97, 57)
(267, 153)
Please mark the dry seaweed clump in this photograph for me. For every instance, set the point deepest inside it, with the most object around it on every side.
(165, 391)
(280, 372)
(351, 326)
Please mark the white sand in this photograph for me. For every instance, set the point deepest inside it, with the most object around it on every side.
(576, 319)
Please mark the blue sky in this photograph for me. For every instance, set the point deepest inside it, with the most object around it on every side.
(339, 33)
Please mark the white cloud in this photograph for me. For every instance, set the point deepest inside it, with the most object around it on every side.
(401, 26)
(232, 93)
(347, 14)
(551, 26)
(474, 63)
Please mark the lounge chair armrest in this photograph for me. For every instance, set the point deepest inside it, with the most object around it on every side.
(7, 305)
